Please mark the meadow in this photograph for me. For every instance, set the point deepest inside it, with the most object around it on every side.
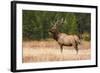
(49, 50)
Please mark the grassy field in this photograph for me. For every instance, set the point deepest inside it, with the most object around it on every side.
(42, 51)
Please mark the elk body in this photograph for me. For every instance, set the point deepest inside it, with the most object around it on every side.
(64, 39)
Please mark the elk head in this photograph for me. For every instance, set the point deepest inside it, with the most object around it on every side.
(55, 26)
(54, 29)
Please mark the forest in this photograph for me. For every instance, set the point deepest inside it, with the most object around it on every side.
(37, 23)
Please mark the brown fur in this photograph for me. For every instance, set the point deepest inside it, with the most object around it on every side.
(64, 39)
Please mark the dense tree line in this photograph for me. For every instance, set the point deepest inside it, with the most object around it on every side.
(37, 23)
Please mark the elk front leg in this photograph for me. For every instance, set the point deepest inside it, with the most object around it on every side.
(76, 48)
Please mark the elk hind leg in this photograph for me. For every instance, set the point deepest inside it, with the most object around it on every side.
(61, 47)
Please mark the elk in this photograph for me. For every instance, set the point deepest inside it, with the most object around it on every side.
(62, 38)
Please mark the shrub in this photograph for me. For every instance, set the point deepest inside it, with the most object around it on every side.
(86, 36)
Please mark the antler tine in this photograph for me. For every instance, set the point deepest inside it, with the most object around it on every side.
(51, 23)
(55, 24)
(60, 22)
(62, 19)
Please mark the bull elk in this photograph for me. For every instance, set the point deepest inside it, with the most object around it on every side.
(62, 38)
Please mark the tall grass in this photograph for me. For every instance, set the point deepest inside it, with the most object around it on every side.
(43, 51)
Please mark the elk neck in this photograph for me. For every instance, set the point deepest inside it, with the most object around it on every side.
(55, 35)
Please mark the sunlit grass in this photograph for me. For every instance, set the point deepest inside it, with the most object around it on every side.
(42, 51)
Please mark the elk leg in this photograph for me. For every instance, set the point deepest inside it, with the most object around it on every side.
(61, 47)
(76, 48)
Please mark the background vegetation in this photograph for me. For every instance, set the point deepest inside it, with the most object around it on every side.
(37, 23)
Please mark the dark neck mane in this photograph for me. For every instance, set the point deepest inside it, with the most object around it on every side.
(55, 35)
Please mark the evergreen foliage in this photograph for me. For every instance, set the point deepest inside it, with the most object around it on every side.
(37, 23)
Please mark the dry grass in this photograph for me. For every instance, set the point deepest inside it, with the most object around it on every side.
(39, 51)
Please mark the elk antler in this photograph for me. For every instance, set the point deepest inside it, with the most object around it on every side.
(57, 23)
(60, 22)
